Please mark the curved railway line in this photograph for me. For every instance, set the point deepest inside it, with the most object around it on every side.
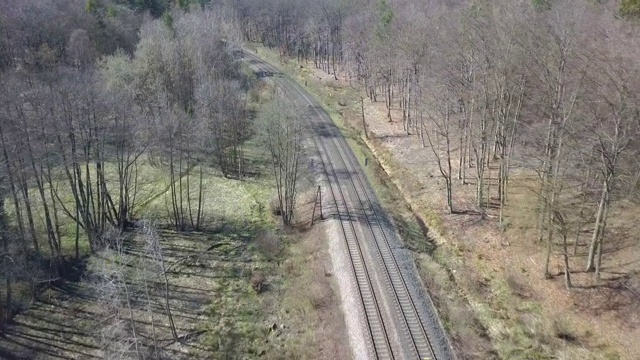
(420, 333)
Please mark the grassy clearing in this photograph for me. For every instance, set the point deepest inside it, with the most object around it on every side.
(210, 281)
(209, 274)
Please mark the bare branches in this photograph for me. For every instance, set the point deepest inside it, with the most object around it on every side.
(154, 250)
(281, 126)
(118, 334)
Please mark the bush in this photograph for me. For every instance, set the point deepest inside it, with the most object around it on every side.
(274, 206)
(630, 8)
(258, 282)
(517, 286)
(268, 244)
(319, 294)
(562, 330)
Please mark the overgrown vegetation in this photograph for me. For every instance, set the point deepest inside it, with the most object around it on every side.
(135, 188)
(90, 134)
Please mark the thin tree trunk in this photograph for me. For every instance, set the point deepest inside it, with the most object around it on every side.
(6, 257)
(364, 123)
(601, 243)
(547, 274)
(199, 214)
(597, 231)
(580, 223)
(174, 200)
(565, 257)
(27, 204)
(180, 193)
(172, 325)
(14, 193)
(189, 209)
(461, 160)
(132, 321)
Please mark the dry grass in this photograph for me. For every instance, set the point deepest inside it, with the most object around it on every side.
(310, 305)
(268, 244)
(496, 273)
(468, 335)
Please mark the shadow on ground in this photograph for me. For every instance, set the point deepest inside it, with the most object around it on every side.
(80, 320)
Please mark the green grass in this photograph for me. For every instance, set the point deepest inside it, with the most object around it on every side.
(153, 199)
(237, 318)
(235, 211)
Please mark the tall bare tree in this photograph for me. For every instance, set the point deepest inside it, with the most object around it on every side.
(281, 125)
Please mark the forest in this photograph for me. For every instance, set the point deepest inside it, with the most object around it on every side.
(99, 96)
(545, 87)
(93, 96)
(527, 114)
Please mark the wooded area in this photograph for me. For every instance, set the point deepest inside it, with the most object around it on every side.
(493, 88)
(93, 94)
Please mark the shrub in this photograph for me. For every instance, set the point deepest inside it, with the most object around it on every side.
(562, 330)
(630, 8)
(516, 285)
(258, 282)
(319, 294)
(268, 243)
(274, 206)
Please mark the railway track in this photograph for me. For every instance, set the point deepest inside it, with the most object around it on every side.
(357, 209)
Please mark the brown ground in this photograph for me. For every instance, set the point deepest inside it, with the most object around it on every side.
(498, 274)
(311, 299)
(603, 318)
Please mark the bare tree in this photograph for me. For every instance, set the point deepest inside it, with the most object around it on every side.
(80, 49)
(442, 132)
(616, 125)
(155, 249)
(118, 334)
(560, 70)
(281, 126)
(6, 261)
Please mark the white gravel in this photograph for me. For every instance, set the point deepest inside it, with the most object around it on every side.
(351, 304)
(342, 271)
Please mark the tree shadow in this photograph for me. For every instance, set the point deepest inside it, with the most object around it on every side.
(66, 322)
(617, 293)
(466, 212)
